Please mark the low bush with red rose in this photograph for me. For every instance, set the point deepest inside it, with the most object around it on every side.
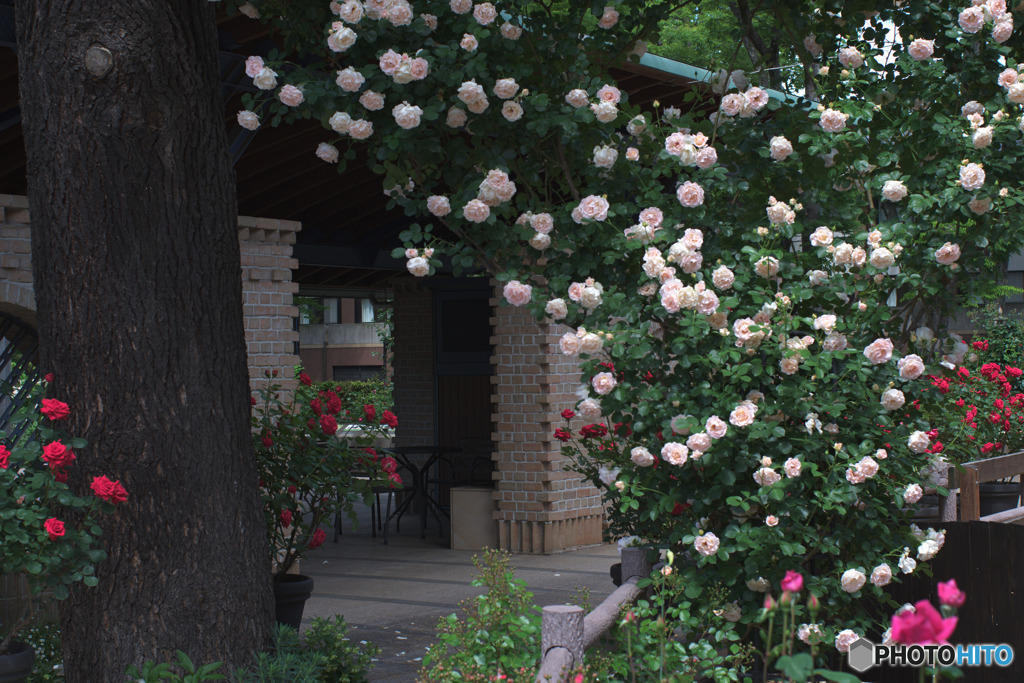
(310, 470)
(49, 531)
(976, 407)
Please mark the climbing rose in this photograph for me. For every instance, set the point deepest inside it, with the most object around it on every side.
(706, 544)
(110, 491)
(923, 626)
(517, 293)
(921, 49)
(318, 539)
(389, 419)
(894, 190)
(57, 455)
(54, 409)
(792, 582)
(54, 528)
(291, 96)
(950, 595)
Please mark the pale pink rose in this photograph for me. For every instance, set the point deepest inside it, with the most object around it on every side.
(766, 476)
(792, 468)
(461, 6)
(406, 115)
(858, 256)
(438, 205)
(399, 13)
(707, 157)
(882, 258)
(516, 293)
(476, 211)
(771, 520)
(577, 98)
(1007, 77)
(881, 575)
(418, 266)
(707, 302)
(456, 118)
(867, 466)
(505, 88)
(654, 263)
(609, 18)
(854, 476)
(593, 207)
(389, 62)
(469, 42)
(779, 213)
(832, 120)
(972, 19)
(881, 454)
(790, 365)
(411, 253)
(632, 154)
(743, 415)
(360, 129)
(982, 137)
(1015, 93)
(892, 399)
(853, 580)
(248, 10)
(948, 254)
(767, 266)
(699, 442)
(510, 32)
(556, 308)
(980, 206)
(921, 49)
(691, 263)
(350, 80)
(825, 323)
(706, 544)
(512, 111)
(478, 106)
(254, 64)
(372, 101)
(576, 291)
(918, 442)
(471, 91)
(723, 278)
(851, 58)
(290, 96)
(641, 457)
(715, 427)
(811, 45)
(327, 152)
(569, 343)
(605, 156)
(879, 351)
(845, 639)
(590, 298)
(912, 493)
(675, 453)
(351, 12)
(589, 409)
(603, 383)
(652, 216)
(780, 148)
(589, 342)
(266, 79)
(248, 120)
(1002, 30)
(419, 68)
(972, 107)
(484, 13)
(606, 112)
(756, 97)
(731, 104)
(894, 190)
(341, 38)
(690, 194)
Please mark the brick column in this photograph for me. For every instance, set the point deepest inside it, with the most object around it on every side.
(541, 508)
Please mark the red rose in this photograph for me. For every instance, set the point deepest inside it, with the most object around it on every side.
(594, 431)
(371, 412)
(110, 491)
(980, 345)
(286, 518)
(333, 403)
(54, 409)
(388, 464)
(389, 419)
(568, 414)
(252, 400)
(304, 378)
(4, 457)
(318, 539)
(48, 377)
(1014, 372)
(328, 424)
(60, 476)
(562, 435)
(315, 405)
(54, 528)
(57, 455)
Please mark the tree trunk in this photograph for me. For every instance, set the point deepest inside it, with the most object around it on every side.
(138, 287)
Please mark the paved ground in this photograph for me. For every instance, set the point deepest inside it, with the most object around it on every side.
(394, 594)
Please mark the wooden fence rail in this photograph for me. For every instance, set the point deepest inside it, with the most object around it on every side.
(566, 632)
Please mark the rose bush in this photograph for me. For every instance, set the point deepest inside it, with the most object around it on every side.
(741, 285)
(50, 534)
(309, 469)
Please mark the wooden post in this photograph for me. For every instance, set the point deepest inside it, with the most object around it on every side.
(562, 626)
(634, 563)
(970, 504)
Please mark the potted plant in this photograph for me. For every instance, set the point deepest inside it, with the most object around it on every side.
(981, 415)
(309, 472)
(50, 534)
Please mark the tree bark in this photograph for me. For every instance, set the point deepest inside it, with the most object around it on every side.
(138, 287)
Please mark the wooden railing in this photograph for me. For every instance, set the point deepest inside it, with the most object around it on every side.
(566, 632)
(967, 481)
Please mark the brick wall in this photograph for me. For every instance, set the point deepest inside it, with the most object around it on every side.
(413, 319)
(541, 508)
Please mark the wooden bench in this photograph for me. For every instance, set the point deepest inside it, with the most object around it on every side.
(967, 481)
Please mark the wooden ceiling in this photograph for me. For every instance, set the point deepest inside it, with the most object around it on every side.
(347, 232)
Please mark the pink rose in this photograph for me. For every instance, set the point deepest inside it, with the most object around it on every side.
(950, 595)
(641, 457)
(707, 157)
(690, 194)
(972, 19)
(389, 62)
(845, 639)
(790, 365)
(510, 32)
(327, 152)
(360, 129)
(792, 467)
(780, 148)
(756, 98)
(851, 58)
(918, 442)
(589, 409)
(476, 211)
(910, 367)
(606, 112)
(373, 101)
(743, 414)
(947, 254)
(469, 42)
(609, 18)
(456, 118)
(593, 207)
(881, 575)
(1007, 77)
(341, 38)
(972, 176)
(609, 93)
(290, 96)
(569, 344)
(556, 308)
(517, 293)
(699, 442)
(471, 91)
(853, 580)
(675, 453)
(913, 493)
(892, 399)
(577, 98)
(603, 383)
(254, 64)
(505, 88)
(706, 544)
(792, 582)
(715, 427)
(351, 12)
(406, 115)
(923, 626)
(438, 205)
(879, 351)
(248, 120)
(921, 49)
(766, 476)
(832, 121)
(484, 13)
(266, 79)
(723, 278)
(418, 266)
(399, 13)
(350, 80)
(894, 190)
(461, 6)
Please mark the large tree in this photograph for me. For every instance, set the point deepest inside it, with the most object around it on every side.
(137, 278)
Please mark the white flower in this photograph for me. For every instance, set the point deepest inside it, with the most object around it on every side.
(907, 564)
(927, 550)
(758, 585)
(881, 575)
(853, 580)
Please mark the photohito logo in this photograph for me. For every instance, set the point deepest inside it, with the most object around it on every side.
(864, 654)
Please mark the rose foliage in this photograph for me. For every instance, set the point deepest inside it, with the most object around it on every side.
(739, 272)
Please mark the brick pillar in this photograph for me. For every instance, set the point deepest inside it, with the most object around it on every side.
(541, 508)
(413, 362)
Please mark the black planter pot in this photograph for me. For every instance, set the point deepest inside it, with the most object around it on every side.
(16, 666)
(290, 594)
